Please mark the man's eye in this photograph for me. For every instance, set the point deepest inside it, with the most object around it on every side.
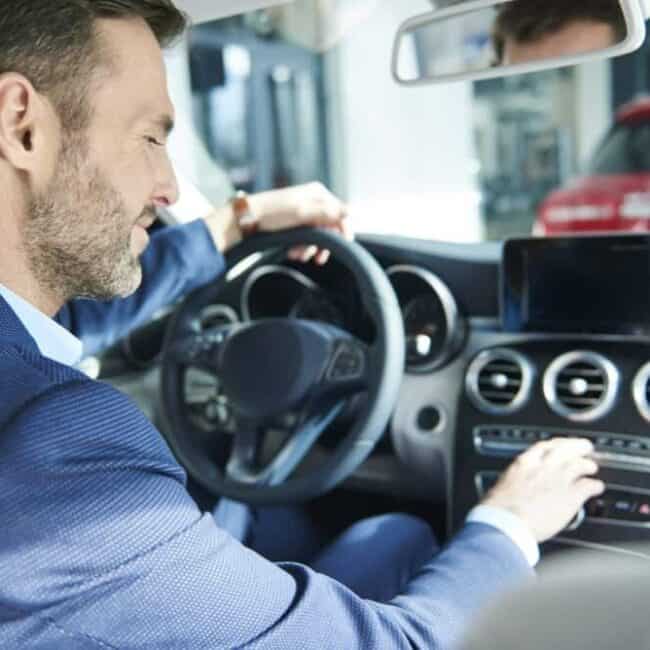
(155, 142)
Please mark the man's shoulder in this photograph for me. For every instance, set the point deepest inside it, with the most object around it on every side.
(24, 376)
(52, 413)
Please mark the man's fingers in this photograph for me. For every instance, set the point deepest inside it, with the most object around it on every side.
(581, 467)
(588, 488)
(558, 452)
(308, 253)
(535, 453)
(538, 452)
(323, 257)
(295, 254)
(562, 450)
(335, 212)
(302, 253)
(346, 229)
(305, 254)
(319, 210)
(331, 215)
(322, 213)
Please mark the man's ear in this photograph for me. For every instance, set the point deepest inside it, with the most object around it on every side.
(21, 121)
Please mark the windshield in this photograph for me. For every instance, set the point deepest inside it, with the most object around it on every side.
(463, 162)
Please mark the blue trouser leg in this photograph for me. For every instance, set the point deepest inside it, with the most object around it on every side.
(280, 534)
(375, 557)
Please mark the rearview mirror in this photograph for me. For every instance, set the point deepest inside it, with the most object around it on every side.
(484, 39)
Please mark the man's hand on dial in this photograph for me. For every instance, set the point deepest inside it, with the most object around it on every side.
(310, 205)
(546, 486)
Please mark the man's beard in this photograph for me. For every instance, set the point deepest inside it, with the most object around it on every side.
(78, 234)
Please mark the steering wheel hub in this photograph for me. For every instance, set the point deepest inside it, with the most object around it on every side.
(270, 367)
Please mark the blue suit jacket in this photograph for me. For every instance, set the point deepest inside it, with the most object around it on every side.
(101, 546)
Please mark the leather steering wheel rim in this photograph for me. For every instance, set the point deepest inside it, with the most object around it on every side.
(388, 355)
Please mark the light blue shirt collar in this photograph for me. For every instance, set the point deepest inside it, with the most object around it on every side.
(54, 342)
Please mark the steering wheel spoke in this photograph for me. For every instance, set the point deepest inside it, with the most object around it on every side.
(242, 466)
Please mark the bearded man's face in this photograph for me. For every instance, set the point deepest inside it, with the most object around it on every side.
(79, 237)
(85, 227)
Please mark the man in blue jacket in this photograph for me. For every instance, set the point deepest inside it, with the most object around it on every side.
(101, 545)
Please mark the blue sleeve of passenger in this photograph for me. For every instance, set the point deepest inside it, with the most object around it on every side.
(121, 554)
(178, 260)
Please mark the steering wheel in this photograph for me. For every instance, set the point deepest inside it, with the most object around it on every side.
(269, 368)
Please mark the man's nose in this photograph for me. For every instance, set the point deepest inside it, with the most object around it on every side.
(167, 192)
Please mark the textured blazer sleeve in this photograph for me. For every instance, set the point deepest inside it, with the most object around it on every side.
(178, 260)
(106, 546)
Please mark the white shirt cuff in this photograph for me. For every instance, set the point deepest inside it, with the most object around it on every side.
(511, 526)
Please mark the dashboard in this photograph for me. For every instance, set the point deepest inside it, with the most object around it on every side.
(433, 325)
(476, 390)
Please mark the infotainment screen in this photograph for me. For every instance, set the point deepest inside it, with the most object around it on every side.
(597, 285)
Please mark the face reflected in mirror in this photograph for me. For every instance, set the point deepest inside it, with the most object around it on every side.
(508, 33)
(526, 30)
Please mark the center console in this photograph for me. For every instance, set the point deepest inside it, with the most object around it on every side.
(577, 365)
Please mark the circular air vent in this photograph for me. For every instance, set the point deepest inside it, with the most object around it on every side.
(581, 386)
(641, 391)
(499, 381)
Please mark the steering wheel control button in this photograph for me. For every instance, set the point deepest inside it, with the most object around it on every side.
(348, 363)
(191, 351)
(200, 348)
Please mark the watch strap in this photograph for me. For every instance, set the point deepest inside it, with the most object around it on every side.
(247, 221)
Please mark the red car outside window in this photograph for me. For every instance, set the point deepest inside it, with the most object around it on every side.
(614, 195)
